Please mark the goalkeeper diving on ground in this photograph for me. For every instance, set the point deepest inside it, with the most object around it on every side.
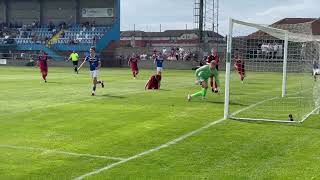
(202, 76)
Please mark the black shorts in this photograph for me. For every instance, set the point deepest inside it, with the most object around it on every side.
(75, 63)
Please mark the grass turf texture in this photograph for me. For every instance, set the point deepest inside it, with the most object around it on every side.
(124, 120)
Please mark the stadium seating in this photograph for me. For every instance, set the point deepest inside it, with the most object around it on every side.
(76, 33)
(53, 39)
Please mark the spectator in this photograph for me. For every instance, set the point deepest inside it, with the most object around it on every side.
(46, 40)
(71, 40)
(54, 31)
(63, 34)
(93, 26)
(33, 24)
(164, 51)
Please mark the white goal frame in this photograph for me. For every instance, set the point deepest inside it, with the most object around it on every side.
(282, 34)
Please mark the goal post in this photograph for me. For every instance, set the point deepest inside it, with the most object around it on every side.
(285, 62)
(272, 75)
(228, 68)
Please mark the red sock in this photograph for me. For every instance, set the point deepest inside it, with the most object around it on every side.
(44, 76)
(211, 83)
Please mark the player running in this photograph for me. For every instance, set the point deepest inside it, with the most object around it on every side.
(95, 65)
(43, 65)
(214, 57)
(202, 75)
(74, 57)
(316, 70)
(133, 63)
(240, 67)
(159, 63)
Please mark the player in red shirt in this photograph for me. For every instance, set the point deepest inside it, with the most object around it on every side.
(154, 53)
(214, 57)
(43, 65)
(240, 67)
(154, 82)
(133, 63)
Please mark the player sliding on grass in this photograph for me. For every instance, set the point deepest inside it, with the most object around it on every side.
(43, 65)
(202, 75)
(133, 63)
(154, 82)
(95, 65)
(214, 57)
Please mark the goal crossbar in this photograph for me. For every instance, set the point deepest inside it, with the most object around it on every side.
(285, 36)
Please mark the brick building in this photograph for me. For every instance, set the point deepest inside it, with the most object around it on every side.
(166, 38)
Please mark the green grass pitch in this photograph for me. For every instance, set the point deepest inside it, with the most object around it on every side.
(58, 131)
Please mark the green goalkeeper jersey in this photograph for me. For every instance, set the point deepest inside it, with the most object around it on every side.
(204, 73)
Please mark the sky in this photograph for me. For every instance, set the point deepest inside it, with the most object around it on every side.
(147, 15)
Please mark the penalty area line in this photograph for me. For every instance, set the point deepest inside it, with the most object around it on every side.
(60, 152)
(170, 143)
(166, 145)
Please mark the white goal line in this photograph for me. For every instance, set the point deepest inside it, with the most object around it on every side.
(252, 106)
(308, 115)
(60, 152)
(264, 120)
(269, 120)
(166, 145)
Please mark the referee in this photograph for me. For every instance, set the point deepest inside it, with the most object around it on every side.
(74, 57)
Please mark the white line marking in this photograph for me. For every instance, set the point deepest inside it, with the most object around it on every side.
(170, 143)
(44, 150)
(253, 105)
(266, 120)
(261, 102)
(308, 115)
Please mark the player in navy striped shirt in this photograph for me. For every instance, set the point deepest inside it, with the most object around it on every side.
(95, 65)
(159, 62)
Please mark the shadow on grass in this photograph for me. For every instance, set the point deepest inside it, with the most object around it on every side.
(113, 96)
(156, 90)
(164, 90)
(239, 94)
(53, 82)
(222, 102)
(255, 83)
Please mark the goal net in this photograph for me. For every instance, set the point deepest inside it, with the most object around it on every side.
(269, 74)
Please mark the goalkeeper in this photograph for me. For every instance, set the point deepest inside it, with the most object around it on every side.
(202, 75)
